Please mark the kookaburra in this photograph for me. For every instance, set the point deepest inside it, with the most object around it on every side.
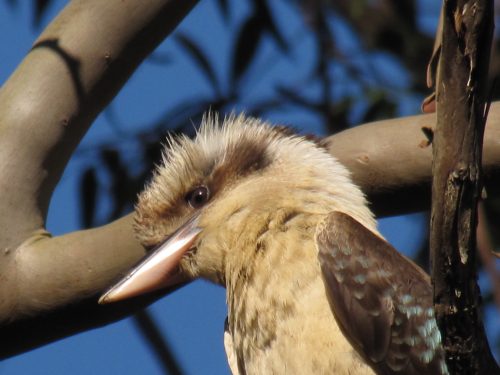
(312, 287)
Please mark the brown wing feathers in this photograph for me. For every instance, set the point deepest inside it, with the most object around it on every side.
(381, 300)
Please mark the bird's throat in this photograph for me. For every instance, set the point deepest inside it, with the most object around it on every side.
(271, 280)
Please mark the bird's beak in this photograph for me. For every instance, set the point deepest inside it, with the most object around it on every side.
(159, 268)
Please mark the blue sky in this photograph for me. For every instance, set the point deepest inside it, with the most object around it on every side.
(192, 318)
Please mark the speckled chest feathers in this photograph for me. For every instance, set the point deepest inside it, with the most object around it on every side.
(279, 316)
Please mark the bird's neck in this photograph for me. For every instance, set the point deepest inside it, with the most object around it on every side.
(273, 244)
(274, 271)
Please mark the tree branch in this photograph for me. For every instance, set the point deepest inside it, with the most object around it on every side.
(74, 69)
(391, 160)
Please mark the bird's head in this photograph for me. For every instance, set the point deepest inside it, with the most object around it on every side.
(211, 195)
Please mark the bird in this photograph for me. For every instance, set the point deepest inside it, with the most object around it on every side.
(312, 287)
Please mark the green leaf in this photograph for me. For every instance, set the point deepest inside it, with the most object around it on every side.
(88, 197)
(245, 47)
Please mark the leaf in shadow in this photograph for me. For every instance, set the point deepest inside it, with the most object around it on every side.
(245, 47)
(157, 342)
(406, 10)
(122, 187)
(88, 197)
(40, 7)
(492, 211)
(259, 109)
(263, 12)
(295, 98)
(159, 58)
(338, 115)
(200, 59)
(180, 114)
(223, 6)
(391, 40)
(379, 108)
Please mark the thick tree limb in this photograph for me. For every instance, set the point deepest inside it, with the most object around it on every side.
(391, 160)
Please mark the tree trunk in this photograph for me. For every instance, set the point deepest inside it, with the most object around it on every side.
(456, 186)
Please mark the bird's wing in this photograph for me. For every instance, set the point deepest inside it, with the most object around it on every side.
(381, 300)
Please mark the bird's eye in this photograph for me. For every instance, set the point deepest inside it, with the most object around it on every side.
(198, 196)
